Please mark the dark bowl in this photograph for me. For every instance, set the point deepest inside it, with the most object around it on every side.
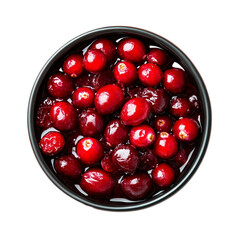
(181, 58)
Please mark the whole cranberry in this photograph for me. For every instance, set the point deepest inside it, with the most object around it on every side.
(64, 116)
(125, 72)
(157, 56)
(181, 157)
(115, 133)
(83, 97)
(106, 46)
(135, 111)
(107, 164)
(125, 158)
(52, 143)
(150, 74)
(131, 49)
(73, 65)
(163, 175)
(166, 146)
(89, 150)
(91, 123)
(94, 60)
(137, 186)
(179, 107)
(97, 183)
(174, 80)
(142, 136)
(109, 99)
(68, 166)
(148, 160)
(59, 85)
(186, 129)
(103, 78)
(162, 124)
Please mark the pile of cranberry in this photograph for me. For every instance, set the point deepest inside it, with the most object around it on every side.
(117, 121)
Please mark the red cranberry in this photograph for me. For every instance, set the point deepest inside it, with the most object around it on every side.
(109, 99)
(83, 97)
(73, 65)
(163, 175)
(162, 124)
(157, 56)
(150, 74)
(135, 92)
(107, 164)
(68, 166)
(115, 133)
(135, 111)
(137, 186)
(64, 116)
(142, 136)
(181, 157)
(89, 150)
(179, 107)
(186, 129)
(125, 72)
(103, 78)
(126, 158)
(59, 85)
(131, 49)
(166, 146)
(91, 123)
(97, 183)
(174, 80)
(94, 60)
(52, 143)
(148, 161)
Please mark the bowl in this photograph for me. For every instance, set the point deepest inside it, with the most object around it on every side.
(121, 31)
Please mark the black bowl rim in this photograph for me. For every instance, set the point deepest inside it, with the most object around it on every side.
(187, 64)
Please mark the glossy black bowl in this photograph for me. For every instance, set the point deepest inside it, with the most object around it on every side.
(180, 57)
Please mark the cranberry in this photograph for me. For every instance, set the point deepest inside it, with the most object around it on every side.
(137, 186)
(73, 65)
(94, 60)
(115, 133)
(150, 74)
(181, 157)
(135, 92)
(148, 160)
(109, 99)
(179, 107)
(97, 183)
(68, 166)
(103, 78)
(59, 86)
(142, 136)
(166, 146)
(52, 143)
(64, 116)
(131, 49)
(186, 129)
(107, 164)
(83, 97)
(162, 124)
(135, 111)
(89, 150)
(125, 72)
(157, 56)
(91, 123)
(174, 80)
(163, 175)
(126, 158)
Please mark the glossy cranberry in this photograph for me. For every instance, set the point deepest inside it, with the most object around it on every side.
(135, 111)
(73, 65)
(150, 74)
(109, 99)
(115, 133)
(179, 107)
(103, 78)
(68, 166)
(106, 46)
(89, 150)
(91, 123)
(107, 164)
(125, 72)
(166, 146)
(125, 158)
(163, 175)
(181, 157)
(59, 85)
(83, 97)
(174, 80)
(131, 49)
(52, 143)
(142, 136)
(64, 116)
(186, 129)
(137, 186)
(148, 160)
(97, 183)
(162, 124)
(94, 60)
(157, 56)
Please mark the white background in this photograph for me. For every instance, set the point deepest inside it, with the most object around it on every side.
(208, 207)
